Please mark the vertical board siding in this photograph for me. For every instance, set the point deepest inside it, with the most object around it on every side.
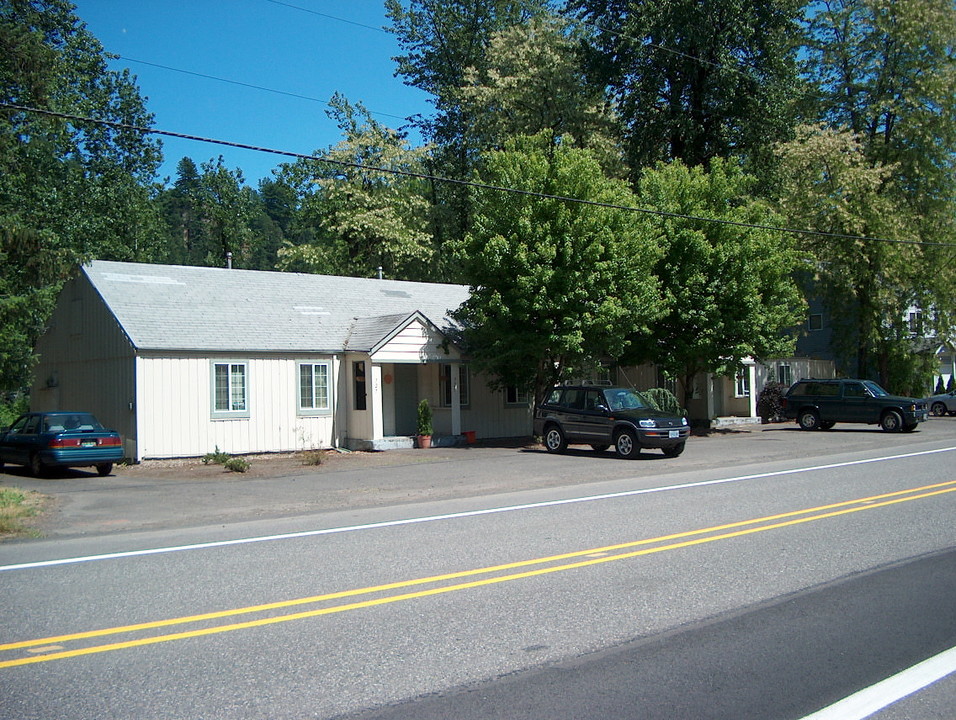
(86, 361)
(177, 392)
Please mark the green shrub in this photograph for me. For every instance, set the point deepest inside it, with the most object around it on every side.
(236, 464)
(770, 402)
(951, 385)
(940, 388)
(13, 408)
(216, 458)
(664, 400)
(425, 418)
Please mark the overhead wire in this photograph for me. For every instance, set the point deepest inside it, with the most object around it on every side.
(465, 183)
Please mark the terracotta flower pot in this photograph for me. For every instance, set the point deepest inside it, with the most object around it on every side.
(424, 441)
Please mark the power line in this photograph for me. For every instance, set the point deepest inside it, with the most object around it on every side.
(244, 84)
(465, 183)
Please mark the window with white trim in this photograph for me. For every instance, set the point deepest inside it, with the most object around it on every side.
(514, 396)
(314, 396)
(230, 392)
(463, 391)
(785, 374)
(743, 383)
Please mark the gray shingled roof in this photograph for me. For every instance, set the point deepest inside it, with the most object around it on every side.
(171, 307)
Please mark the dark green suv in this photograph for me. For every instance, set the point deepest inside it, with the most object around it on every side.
(605, 416)
(820, 404)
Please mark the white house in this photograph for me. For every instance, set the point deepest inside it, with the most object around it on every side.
(182, 360)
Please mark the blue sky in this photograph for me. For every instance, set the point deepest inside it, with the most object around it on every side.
(293, 47)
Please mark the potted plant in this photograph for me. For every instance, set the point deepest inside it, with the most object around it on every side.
(425, 428)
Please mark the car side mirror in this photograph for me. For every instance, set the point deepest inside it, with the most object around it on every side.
(602, 407)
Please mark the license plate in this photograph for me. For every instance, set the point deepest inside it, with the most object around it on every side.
(673, 434)
(89, 443)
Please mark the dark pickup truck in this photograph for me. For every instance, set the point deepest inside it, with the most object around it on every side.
(820, 404)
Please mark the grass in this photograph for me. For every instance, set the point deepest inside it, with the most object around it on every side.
(16, 508)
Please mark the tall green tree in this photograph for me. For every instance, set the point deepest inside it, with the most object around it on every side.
(556, 285)
(534, 81)
(868, 286)
(361, 218)
(213, 215)
(69, 190)
(884, 73)
(441, 40)
(728, 288)
(886, 69)
(696, 80)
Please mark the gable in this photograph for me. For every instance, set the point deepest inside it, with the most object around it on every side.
(416, 341)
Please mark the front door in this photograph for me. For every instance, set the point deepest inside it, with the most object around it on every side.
(406, 399)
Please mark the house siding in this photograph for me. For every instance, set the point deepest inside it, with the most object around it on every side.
(86, 362)
(178, 392)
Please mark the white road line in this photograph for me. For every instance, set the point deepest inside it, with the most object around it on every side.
(464, 514)
(877, 697)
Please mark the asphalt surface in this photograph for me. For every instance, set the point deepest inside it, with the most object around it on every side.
(180, 494)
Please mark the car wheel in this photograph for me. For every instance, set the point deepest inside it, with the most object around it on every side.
(626, 445)
(104, 469)
(891, 421)
(675, 450)
(554, 440)
(938, 409)
(36, 466)
(599, 447)
(828, 425)
(809, 420)
(910, 428)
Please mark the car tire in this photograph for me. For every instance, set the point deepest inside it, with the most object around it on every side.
(828, 425)
(674, 450)
(554, 440)
(37, 469)
(891, 421)
(938, 409)
(626, 445)
(104, 469)
(809, 420)
(599, 447)
(910, 428)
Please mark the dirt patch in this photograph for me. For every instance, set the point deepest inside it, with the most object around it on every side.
(283, 464)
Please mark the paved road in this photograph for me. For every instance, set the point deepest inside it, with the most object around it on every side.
(138, 499)
(747, 580)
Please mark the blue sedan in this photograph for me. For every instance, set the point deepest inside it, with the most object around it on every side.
(60, 439)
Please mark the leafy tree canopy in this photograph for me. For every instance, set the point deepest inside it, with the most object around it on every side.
(696, 80)
(362, 218)
(555, 284)
(728, 290)
(69, 191)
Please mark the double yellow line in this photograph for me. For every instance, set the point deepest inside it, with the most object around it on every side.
(52, 648)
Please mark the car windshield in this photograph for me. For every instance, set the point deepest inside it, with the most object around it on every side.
(875, 389)
(623, 399)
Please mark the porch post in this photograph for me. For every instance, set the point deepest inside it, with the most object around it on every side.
(455, 399)
(375, 405)
(752, 373)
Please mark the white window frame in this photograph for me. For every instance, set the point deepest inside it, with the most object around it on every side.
(313, 408)
(232, 371)
(742, 383)
(782, 370)
(464, 386)
(517, 398)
